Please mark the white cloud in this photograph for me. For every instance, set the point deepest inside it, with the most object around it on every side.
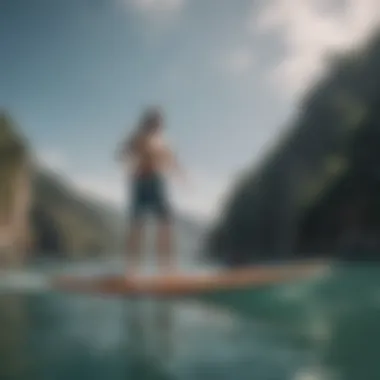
(239, 61)
(310, 30)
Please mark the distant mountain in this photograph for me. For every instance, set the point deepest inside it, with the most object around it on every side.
(66, 222)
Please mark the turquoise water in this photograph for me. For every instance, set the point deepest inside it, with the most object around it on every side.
(323, 328)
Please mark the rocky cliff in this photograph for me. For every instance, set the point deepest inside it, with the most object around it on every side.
(40, 214)
(317, 191)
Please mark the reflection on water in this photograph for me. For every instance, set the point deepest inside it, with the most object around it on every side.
(325, 330)
(13, 327)
(65, 337)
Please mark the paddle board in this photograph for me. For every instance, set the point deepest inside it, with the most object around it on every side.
(182, 285)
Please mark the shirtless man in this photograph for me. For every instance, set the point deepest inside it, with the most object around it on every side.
(151, 158)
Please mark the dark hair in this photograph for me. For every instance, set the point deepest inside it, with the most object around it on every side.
(150, 120)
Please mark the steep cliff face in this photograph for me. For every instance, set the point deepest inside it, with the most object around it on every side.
(42, 215)
(14, 191)
(323, 169)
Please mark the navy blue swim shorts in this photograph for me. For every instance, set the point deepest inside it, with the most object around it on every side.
(148, 194)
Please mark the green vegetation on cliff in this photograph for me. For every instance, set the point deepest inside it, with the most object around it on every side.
(322, 179)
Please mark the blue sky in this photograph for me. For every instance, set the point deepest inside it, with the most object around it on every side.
(75, 74)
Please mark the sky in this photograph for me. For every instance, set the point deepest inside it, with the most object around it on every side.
(76, 75)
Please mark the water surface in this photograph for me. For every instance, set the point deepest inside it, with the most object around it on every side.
(317, 329)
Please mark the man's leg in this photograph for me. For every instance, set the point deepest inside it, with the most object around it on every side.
(161, 209)
(134, 247)
(136, 229)
(164, 246)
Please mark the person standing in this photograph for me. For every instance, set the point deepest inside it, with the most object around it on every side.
(150, 158)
